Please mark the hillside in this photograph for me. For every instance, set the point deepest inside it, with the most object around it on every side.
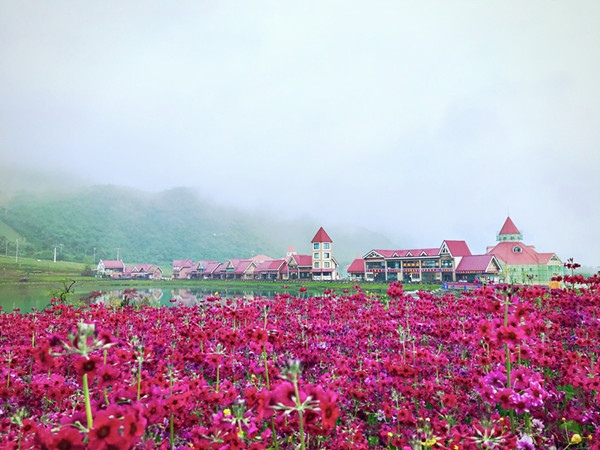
(156, 228)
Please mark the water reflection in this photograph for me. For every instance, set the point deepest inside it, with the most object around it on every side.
(189, 297)
(26, 298)
(174, 297)
(122, 297)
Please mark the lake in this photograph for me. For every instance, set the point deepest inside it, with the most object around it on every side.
(28, 296)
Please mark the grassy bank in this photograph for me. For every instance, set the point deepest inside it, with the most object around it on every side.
(28, 270)
(33, 270)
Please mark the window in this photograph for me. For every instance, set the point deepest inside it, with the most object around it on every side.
(326, 245)
(517, 249)
(316, 246)
(316, 265)
(326, 265)
(325, 255)
(316, 256)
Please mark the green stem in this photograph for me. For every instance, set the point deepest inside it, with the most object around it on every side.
(171, 432)
(302, 443)
(139, 379)
(8, 373)
(86, 399)
(266, 366)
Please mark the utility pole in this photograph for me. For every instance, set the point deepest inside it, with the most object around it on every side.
(55, 246)
(6, 253)
(118, 248)
(17, 252)
(94, 255)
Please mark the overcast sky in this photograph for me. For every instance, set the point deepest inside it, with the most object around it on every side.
(423, 120)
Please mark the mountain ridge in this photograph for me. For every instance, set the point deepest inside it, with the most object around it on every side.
(158, 227)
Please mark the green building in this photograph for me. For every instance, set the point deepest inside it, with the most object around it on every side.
(521, 263)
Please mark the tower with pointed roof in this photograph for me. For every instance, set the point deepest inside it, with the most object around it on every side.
(291, 251)
(509, 232)
(324, 265)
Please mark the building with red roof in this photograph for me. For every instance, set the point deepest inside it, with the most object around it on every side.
(522, 263)
(477, 266)
(300, 267)
(146, 271)
(275, 269)
(112, 268)
(239, 269)
(451, 261)
(182, 268)
(206, 269)
(356, 269)
(324, 265)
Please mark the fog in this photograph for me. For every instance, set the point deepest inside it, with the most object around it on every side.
(421, 120)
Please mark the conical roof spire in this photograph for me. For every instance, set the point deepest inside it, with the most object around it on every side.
(509, 227)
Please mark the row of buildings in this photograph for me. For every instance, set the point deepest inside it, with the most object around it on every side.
(117, 270)
(319, 265)
(509, 261)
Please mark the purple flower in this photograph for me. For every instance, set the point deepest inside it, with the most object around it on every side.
(525, 443)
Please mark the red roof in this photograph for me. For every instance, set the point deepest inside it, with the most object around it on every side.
(458, 248)
(303, 260)
(208, 266)
(427, 251)
(179, 263)
(261, 258)
(544, 258)
(240, 265)
(415, 252)
(321, 236)
(357, 266)
(113, 264)
(143, 267)
(504, 251)
(384, 253)
(474, 263)
(270, 266)
(509, 227)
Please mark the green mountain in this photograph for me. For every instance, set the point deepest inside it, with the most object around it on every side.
(155, 228)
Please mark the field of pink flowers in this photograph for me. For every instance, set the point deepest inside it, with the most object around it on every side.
(500, 368)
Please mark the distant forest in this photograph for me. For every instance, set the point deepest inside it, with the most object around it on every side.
(156, 228)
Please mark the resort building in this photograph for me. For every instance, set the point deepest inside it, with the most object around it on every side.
(300, 267)
(110, 268)
(117, 270)
(521, 263)
(182, 268)
(275, 269)
(206, 269)
(324, 265)
(450, 262)
(146, 271)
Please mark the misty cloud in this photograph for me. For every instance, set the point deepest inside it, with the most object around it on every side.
(425, 121)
